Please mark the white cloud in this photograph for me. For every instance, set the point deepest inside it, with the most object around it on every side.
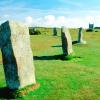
(61, 21)
(29, 20)
(49, 20)
(52, 21)
(90, 19)
(51, 17)
(94, 19)
(61, 15)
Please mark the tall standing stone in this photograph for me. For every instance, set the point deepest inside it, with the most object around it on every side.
(80, 36)
(66, 41)
(54, 31)
(91, 27)
(17, 55)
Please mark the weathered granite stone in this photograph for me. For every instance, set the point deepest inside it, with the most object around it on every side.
(66, 41)
(17, 55)
(54, 31)
(80, 36)
(91, 26)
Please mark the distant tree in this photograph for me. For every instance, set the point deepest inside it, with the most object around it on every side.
(89, 30)
(32, 31)
(37, 32)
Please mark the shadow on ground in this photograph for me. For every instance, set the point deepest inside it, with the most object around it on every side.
(55, 57)
(74, 42)
(6, 93)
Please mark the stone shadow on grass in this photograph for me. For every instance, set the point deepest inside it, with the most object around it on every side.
(6, 93)
(55, 57)
(74, 42)
(52, 57)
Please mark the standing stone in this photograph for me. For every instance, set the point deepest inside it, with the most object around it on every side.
(54, 32)
(80, 36)
(17, 55)
(91, 27)
(66, 41)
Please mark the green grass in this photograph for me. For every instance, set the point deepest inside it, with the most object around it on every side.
(46, 30)
(75, 79)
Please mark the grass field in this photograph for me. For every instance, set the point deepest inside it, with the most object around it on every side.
(75, 79)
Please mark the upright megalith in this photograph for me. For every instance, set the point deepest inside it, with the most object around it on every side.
(17, 55)
(54, 31)
(91, 27)
(80, 36)
(66, 41)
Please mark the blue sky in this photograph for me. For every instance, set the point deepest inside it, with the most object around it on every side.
(69, 13)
